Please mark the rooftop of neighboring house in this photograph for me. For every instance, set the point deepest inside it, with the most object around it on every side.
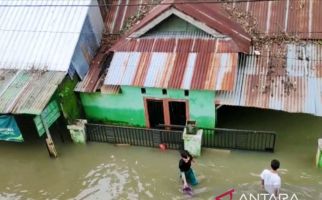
(296, 17)
(263, 54)
(38, 40)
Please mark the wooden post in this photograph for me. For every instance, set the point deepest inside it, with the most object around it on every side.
(319, 154)
(49, 141)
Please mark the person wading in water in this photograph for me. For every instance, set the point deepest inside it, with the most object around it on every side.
(186, 172)
(270, 179)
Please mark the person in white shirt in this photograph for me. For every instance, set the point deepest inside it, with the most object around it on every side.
(271, 181)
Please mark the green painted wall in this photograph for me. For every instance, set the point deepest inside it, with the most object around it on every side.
(127, 108)
(175, 24)
(202, 108)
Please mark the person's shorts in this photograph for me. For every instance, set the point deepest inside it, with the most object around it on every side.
(191, 178)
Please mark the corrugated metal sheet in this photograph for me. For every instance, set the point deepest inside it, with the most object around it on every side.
(142, 53)
(27, 91)
(185, 70)
(117, 18)
(92, 80)
(215, 18)
(86, 47)
(218, 19)
(301, 17)
(286, 78)
(178, 44)
(38, 36)
(96, 21)
(296, 17)
(111, 89)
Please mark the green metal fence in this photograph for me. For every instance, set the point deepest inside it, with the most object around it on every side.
(134, 136)
(172, 137)
(239, 139)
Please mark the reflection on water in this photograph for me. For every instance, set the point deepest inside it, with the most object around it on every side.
(103, 171)
(109, 181)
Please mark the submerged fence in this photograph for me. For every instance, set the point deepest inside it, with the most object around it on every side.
(239, 139)
(212, 138)
(134, 136)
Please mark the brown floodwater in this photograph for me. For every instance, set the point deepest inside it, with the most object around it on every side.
(104, 171)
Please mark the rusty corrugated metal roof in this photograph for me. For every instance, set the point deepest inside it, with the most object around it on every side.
(178, 44)
(117, 18)
(94, 78)
(214, 18)
(111, 89)
(27, 92)
(300, 17)
(186, 52)
(286, 78)
(174, 63)
(91, 81)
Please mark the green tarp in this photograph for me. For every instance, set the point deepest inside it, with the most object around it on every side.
(9, 130)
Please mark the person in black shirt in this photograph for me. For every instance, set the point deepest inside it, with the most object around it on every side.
(187, 174)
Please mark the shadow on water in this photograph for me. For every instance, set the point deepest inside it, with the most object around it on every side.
(104, 171)
(297, 136)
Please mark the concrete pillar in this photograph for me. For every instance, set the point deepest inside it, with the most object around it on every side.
(192, 143)
(78, 131)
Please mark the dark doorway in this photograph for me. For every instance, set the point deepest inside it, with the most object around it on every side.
(177, 111)
(27, 128)
(155, 112)
(58, 129)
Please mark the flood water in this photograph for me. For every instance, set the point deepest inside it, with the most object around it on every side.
(104, 171)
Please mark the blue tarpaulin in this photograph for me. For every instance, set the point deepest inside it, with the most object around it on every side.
(9, 130)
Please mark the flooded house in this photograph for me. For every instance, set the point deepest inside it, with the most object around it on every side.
(167, 68)
(45, 47)
(174, 61)
(254, 65)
